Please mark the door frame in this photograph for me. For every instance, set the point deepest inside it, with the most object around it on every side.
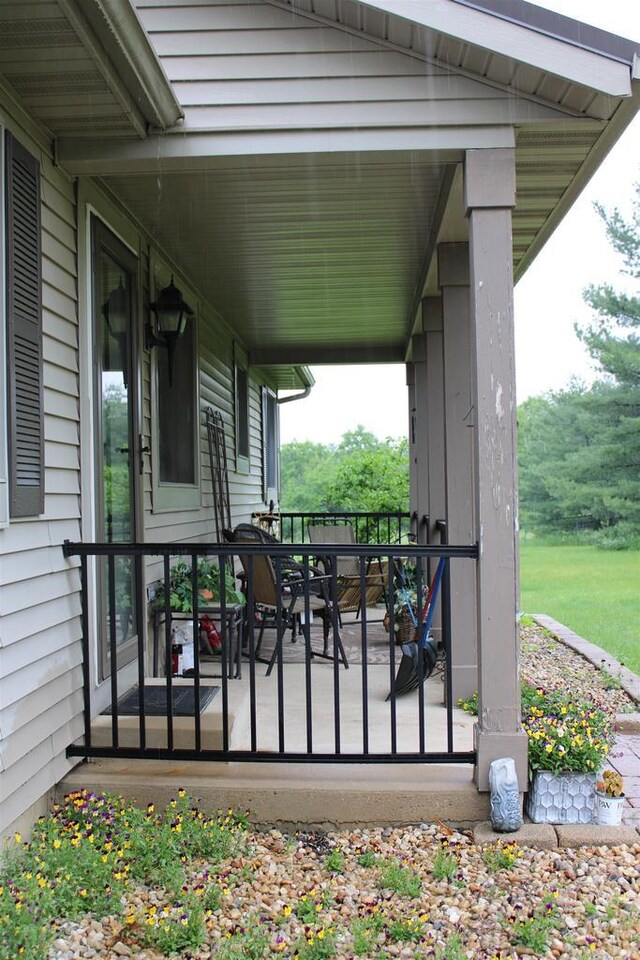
(91, 203)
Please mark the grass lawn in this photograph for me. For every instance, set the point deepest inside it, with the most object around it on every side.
(594, 592)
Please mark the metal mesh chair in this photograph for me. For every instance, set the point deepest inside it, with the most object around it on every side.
(284, 590)
(350, 597)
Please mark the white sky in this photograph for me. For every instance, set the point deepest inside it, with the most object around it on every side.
(548, 299)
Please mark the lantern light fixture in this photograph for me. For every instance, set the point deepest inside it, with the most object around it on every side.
(171, 312)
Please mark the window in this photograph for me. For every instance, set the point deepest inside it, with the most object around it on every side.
(25, 430)
(176, 477)
(177, 411)
(270, 446)
(242, 414)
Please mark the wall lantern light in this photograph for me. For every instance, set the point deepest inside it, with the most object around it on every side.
(171, 316)
(115, 310)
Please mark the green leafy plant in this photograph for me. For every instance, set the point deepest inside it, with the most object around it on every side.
(400, 880)
(367, 858)
(533, 932)
(244, 944)
(85, 855)
(470, 704)
(445, 865)
(501, 856)
(309, 906)
(565, 735)
(174, 926)
(334, 861)
(405, 931)
(365, 932)
(453, 950)
(317, 944)
(180, 586)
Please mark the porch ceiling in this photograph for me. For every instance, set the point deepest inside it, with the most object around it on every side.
(311, 224)
(308, 259)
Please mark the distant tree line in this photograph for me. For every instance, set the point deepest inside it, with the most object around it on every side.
(578, 449)
(361, 473)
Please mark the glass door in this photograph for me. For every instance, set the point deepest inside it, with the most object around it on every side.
(115, 286)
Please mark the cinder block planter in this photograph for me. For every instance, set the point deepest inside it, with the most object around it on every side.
(561, 797)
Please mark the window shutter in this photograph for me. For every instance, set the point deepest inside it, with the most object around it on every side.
(24, 332)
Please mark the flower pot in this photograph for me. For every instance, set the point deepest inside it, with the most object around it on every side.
(566, 797)
(608, 809)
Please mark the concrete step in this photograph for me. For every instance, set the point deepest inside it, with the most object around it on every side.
(297, 795)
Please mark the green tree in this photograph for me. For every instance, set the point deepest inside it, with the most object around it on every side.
(372, 478)
(305, 470)
(361, 474)
(612, 338)
(579, 449)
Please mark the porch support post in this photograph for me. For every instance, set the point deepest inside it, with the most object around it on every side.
(419, 447)
(434, 383)
(411, 425)
(453, 278)
(489, 199)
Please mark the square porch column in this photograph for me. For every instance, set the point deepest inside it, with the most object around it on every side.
(410, 380)
(489, 199)
(459, 419)
(429, 425)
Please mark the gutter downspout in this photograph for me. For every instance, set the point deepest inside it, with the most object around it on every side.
(296, 396)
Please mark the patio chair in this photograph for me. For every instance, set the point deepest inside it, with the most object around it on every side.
(291, 591)
(349, 597)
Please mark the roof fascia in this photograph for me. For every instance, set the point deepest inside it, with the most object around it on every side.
(517, 41)
(121, 50)
(558, 25)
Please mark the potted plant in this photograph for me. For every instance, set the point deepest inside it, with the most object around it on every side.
(568, 742)
(180, 587)
(609, 798)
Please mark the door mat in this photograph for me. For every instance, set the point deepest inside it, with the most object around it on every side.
(155, 701)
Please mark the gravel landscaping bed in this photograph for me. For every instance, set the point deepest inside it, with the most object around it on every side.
(426, 891)
(580, 903)
(547, 663)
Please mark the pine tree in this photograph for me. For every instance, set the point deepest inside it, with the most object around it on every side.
(580, 448)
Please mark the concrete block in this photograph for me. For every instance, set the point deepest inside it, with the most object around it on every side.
(541, 836)
(628, 724)
(595, 835)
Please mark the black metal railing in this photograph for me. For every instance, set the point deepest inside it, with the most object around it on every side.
(330, 696)
(380, 528)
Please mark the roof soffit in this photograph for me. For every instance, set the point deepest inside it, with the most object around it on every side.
(118, 28)
(82, 67)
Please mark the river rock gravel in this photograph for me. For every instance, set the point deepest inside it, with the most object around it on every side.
(422, 891)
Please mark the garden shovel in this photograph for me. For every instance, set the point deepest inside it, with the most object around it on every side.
(411, 671)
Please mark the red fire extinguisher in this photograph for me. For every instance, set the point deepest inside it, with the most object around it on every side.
(209, 636)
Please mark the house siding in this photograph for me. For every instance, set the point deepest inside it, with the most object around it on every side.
(40, 675)
(254, 66)
(40, 652)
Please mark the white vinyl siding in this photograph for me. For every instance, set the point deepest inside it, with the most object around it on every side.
(40, 673)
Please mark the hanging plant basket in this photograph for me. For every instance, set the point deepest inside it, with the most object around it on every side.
(403, 626)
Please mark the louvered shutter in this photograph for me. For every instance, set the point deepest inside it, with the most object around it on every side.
(24, 332)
